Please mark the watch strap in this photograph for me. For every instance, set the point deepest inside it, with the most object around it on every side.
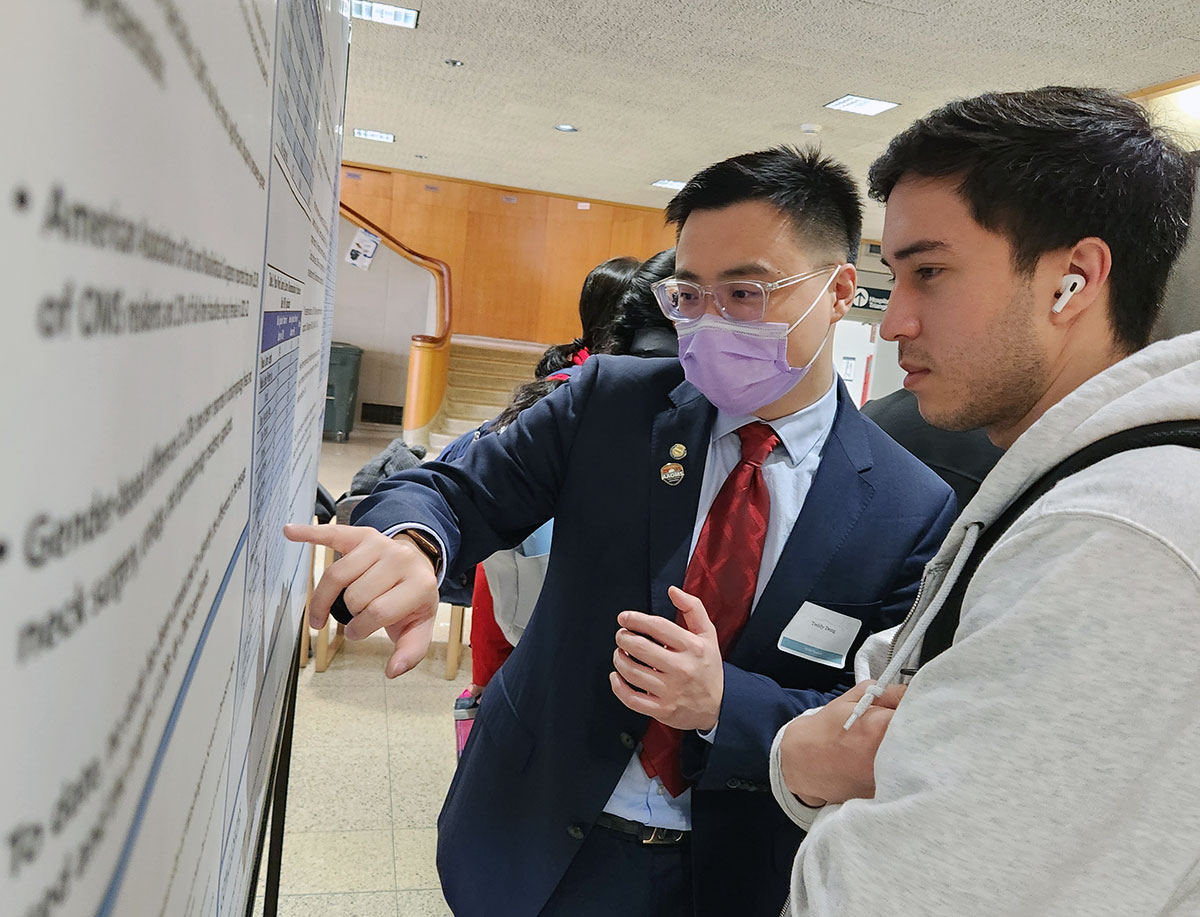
(427, 545)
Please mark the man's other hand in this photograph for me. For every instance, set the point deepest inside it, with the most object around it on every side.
(824, 763)
(678, 668)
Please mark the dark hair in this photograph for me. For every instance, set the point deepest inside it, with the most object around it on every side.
(1048, 167)
(601, 295)
(815, 192)
(638, 308)
(599, 298)
(526, 396)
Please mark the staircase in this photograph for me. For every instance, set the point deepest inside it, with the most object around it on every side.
(483, 374)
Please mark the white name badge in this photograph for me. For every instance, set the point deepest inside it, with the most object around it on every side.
(820, 635)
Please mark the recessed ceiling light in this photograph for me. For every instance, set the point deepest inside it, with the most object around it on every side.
(861, 105)
(668, 183)
(810, 128)
(567, 128)
(452, 62)
(381, 12)
(381, 136)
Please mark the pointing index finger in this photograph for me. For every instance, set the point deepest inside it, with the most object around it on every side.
(342, 538)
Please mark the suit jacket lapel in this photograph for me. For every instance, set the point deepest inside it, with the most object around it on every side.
(673, 508)
(836, 499)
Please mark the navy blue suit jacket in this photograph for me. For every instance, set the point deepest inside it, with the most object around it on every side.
(550, 740)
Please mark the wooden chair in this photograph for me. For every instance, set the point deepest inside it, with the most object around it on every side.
(326, 646)
(454, 642)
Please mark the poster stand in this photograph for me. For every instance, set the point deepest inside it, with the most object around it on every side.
(277, 786)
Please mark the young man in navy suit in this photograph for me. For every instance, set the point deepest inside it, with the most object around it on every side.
(728, 530)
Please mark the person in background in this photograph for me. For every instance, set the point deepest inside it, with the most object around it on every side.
(961, 458)
(599, 301)
(640, 329)
(636, 327)
(1042, 760)
(600, 298)
(1180, 312)
(728, 529)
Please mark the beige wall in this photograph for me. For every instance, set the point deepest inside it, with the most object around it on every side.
(379, 310)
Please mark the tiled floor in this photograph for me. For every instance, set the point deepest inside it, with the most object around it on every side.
(371, 762)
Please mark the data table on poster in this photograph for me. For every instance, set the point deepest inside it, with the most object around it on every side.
(275, 406)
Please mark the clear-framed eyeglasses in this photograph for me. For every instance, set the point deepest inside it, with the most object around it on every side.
(737, 300)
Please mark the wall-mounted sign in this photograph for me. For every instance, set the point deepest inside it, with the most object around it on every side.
(871, 298)
(362, 249)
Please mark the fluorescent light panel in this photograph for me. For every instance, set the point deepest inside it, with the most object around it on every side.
(374, 135)
(861, 105)
(382, 12)
(1188, 101)
(669, 183)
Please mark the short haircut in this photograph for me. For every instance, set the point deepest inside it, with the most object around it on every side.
(816, 193)
(1048, 167)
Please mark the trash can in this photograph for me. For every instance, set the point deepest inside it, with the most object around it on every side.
(342, 392)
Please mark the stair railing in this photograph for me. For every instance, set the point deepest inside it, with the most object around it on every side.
(429, 358)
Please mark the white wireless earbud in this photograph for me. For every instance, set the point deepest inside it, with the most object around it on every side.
(1071, 284)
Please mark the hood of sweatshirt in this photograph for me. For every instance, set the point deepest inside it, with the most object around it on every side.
(1158, 383)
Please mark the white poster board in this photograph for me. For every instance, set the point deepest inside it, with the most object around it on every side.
(171, 176)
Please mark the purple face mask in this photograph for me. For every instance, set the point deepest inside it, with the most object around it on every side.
(742, 366)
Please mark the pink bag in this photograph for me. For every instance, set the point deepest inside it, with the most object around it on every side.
(465, 707)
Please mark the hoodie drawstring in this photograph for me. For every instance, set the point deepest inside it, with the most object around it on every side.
(917, 634)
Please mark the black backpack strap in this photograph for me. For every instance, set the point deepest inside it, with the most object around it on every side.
(1168, 433)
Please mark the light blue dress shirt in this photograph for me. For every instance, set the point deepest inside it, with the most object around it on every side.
(788, 472)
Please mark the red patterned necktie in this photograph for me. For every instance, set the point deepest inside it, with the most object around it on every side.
(723, 574)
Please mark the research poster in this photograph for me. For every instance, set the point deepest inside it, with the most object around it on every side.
(171, 191)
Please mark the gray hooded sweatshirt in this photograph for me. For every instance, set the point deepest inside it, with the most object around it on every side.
(1049, 761)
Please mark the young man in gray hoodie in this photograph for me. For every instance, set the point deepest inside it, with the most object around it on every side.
(1048, 761)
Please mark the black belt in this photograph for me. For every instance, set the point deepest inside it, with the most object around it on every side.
(647, 834)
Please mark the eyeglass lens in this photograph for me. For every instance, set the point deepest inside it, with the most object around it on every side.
(739, 301)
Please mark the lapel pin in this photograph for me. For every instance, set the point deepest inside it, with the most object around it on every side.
(671, 473)
(678, 451)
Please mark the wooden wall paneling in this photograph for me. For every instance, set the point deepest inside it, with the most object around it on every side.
(576, 241)
(501, 276)
(434, 222)
(656, 235)
(434, 192)
(376, 209)
(640, 232)
(626, 237)
(369, 192)
(525, 205)
(517, 258)
(503, 264)
(440, 232)
(369, 182)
